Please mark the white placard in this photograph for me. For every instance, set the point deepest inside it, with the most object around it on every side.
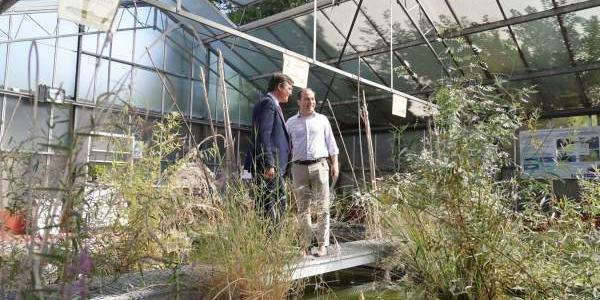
(399, 105)
(94, 13)
(560, 152)
(297, 69)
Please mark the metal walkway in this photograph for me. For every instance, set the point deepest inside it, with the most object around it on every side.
(347, 255)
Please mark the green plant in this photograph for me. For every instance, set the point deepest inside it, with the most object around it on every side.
(253, 257)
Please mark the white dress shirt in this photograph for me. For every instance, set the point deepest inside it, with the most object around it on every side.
(312, 137)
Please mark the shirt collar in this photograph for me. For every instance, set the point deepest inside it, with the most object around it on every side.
(314, 113)
(273, 97)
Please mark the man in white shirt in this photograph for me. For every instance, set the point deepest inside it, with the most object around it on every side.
(315, 158)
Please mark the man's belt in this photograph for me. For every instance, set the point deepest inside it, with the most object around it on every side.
(309, 162)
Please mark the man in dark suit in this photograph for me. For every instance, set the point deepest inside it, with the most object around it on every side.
(269, 157)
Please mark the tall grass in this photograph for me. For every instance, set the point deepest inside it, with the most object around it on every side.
(254, 257)
(457, 235)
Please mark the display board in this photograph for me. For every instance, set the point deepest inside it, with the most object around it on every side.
(93, 13)
(566, 153)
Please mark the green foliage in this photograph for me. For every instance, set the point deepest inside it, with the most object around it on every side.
(261, 10)
(253, 257)
(458, 235)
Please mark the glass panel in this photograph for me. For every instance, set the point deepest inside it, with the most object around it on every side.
(122, 46)
(246, 112)
(567, 2)
(439, 13)
(178, 56)
(124, 19)
(19, 127)
(147, 90)
(258, 56)
(65, 27)
(234, 99)
(542, 43)
(364, 36)
(591, 83)
(466, 57)
(66, 64)
(469, 13)
(92, 43)
(145, 16)
(514, 8)
(498, 51)
(90, 86)
(381, 75)
(19, 64)
(329, 38)
(2, 63)
(120, 78)
(180, 90)
(293, 37)
(33, 25)
(583, 28)
(60, 130)
(198, 105)
(380, 15)
(233, 59)
(422, 62)
(4, 21)
(566, 122)
(151, 39)
(559, 92)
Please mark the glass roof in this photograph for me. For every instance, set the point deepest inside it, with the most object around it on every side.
(558, 51)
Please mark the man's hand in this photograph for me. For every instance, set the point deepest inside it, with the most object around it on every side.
(269, 173)
(334, 170)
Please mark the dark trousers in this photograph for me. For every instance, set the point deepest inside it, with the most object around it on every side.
(270, 197)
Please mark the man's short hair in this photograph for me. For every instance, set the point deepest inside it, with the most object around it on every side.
(302, 91)
(277, 79)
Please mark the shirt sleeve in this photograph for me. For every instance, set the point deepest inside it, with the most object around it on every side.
(332, 147)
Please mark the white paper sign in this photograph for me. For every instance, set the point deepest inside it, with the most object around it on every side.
(297, 69)
(94, 13)
(399, 105)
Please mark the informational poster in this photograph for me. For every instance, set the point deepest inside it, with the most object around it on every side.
(399, 105)
(93, 13)
(297, 69)
(560, 153)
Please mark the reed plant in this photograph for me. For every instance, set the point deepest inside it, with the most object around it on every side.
(453, 219)
(253, 256)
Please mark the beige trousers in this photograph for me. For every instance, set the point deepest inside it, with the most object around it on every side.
(311, 188)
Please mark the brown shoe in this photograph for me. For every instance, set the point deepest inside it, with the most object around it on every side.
(322, 251)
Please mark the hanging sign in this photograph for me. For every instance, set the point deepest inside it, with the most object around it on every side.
(561, 152)
(399, 105)
(297, 69)
(93, 13)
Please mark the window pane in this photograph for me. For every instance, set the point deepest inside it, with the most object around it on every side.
(66, 64)
(4, 21)
(583, 29)
(90, 86)
(60, 129)
(498, 51)
(364, 36)
(470, 13)
(379, 13)
(19, 127)
(199, 106)
(120, 78)
(559, 92)
(19, 63)
(122, 45)
(147, 90)
(180, 90)
(439, 13)
(178, 57)
(33, 25)
(151, 39)
(542, 43)
(513, 8)
(293, 36)
(591, 83)
(2, 64)
(423, 63)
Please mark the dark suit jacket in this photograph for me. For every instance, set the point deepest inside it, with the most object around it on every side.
(271, 142)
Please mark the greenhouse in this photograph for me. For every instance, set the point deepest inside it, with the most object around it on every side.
(296, 149)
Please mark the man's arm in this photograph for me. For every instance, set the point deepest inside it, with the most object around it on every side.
(334, 167)
(265, 128)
